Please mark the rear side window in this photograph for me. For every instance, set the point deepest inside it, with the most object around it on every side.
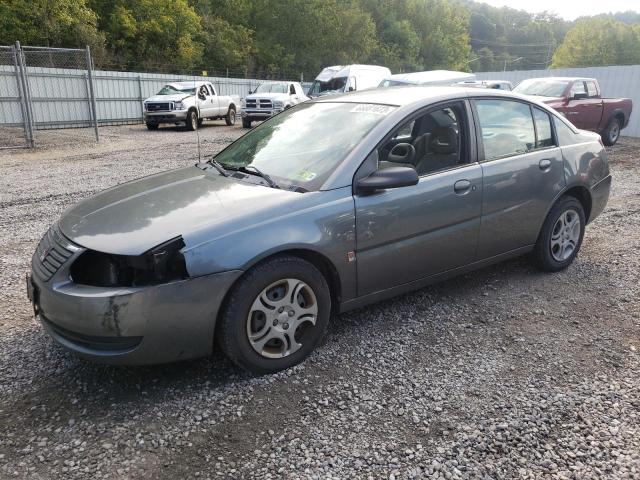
(544, 137)
(506, 126)
(566, 136)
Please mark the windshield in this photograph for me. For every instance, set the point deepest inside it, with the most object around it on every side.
(334, 85)
(542, 88)
(271, 88)
(302, 146)
(173, 89)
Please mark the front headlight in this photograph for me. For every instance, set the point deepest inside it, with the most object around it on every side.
(278, 104)
(243, 102)
(178, 106)
(162, 264)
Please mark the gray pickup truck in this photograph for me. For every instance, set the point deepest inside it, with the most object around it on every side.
(189, 104)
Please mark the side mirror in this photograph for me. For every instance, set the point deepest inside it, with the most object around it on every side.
(351, 89)
(201, 96)
(250, 92)
(579, 96)
(394, 177)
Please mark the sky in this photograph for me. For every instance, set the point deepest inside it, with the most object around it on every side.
(568, 9)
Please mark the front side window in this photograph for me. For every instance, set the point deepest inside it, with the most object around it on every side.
(577, 88)
(544, 133)
(592, 90)
(430, 143)
(506, 126)
(302, 146)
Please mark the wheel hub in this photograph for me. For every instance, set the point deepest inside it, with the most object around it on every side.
(280, 317)
(565, 235)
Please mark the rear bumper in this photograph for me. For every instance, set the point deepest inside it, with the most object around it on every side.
(165, 117)
(600, 196)
(134, 326)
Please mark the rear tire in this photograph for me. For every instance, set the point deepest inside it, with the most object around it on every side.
(192, 120)
(275, 315)
(230, 118)
(246, 123)
(152, 126)
(561, 235)
(611, 134)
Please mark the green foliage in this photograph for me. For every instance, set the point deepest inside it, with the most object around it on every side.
(286, 38)
(599, 41)
(54, 23)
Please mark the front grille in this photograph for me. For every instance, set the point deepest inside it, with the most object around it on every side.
(52, 252)
(158, 107)
(259, 103)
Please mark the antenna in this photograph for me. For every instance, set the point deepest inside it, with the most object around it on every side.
(197, 126)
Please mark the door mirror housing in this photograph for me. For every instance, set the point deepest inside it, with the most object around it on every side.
(394, 177)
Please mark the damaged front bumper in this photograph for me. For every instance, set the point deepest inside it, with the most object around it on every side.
(132, 325)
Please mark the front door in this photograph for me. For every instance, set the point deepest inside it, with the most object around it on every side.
(409, 233)
(522, 169)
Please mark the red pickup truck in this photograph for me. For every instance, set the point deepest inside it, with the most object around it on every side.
(579, 100)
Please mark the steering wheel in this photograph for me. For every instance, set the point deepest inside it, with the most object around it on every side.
(402, 153)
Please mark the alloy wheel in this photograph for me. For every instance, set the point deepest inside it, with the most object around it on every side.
(565, 235)
(281, 317)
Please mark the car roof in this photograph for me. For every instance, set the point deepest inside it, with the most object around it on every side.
(409, 95)
(431, 76)
(195, 83)
(564, 79)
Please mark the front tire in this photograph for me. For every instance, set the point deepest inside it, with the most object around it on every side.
(152, 126)
(561, 235)
(611, 134)
(246, 123)
(230, 118)
(275, 315)
(192, 120)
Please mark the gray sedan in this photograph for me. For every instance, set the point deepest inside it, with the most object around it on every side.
(326, 207)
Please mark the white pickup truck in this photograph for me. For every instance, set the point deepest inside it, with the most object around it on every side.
(189, 103)
(270, 98)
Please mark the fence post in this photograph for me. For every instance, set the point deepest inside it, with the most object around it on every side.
(23, 107)
(92, 97)
(141, 98)
(25, 100)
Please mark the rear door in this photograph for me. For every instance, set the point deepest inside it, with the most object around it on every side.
(409, 233)
(522, 169)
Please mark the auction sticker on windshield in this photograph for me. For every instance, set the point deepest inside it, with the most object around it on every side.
(372, 108)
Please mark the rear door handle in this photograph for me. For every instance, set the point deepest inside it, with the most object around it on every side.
(462, 186)
(545, 164)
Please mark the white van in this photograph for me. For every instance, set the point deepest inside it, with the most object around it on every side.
(431, 77)
(347, 78)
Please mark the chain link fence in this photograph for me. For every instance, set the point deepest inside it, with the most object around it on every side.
(43, 89)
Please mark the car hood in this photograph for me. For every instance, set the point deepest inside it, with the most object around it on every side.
(134, 217)
(176, 97)
(271, 96)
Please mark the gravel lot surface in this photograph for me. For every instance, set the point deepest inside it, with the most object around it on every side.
(502, 373)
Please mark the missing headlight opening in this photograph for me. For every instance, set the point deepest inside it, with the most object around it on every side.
(161, 264)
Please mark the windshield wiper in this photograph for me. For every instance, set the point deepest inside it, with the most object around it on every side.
(218, 166)
(255, 171)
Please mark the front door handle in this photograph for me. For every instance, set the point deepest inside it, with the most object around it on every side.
(545, 164)
(462, 186)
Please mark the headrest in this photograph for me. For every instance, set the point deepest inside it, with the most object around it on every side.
(443, 140)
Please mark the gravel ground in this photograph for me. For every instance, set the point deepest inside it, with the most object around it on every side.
(502, 373)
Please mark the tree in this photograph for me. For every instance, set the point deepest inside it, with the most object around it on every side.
(50, 23)
(152, 34)
(599, 41)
